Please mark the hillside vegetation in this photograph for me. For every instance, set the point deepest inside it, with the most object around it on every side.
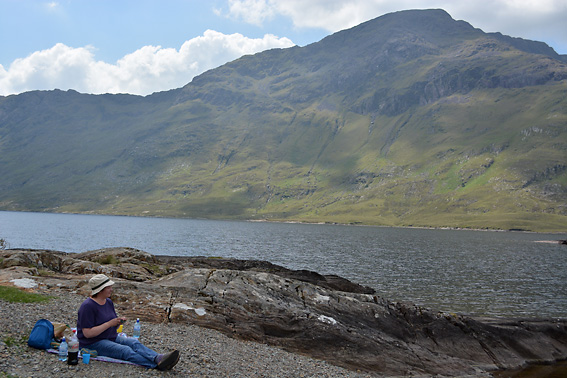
(410, 119)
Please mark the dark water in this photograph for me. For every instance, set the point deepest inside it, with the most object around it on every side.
(470, 272)
(558, 370)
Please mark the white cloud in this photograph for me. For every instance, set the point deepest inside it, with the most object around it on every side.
(149, 69)
(255, 12)
(333, 15)
(541, 20)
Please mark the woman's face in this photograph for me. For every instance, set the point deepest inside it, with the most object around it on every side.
(106, 292)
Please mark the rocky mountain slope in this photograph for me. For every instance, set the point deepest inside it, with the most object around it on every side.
(410, 119)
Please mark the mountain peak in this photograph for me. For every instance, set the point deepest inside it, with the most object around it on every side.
(428, 24)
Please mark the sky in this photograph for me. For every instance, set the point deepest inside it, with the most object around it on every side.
(146, 46)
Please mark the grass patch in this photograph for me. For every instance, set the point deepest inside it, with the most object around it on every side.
(12, 341)
(45, 273)
(156, 270)
(14, 295)
(108, 260)
(7, 375)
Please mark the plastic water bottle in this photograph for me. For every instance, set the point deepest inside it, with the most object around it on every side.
(73, 349)
(63, 350)
(136, 332)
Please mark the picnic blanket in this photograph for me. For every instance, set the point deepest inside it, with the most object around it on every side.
(99, 358)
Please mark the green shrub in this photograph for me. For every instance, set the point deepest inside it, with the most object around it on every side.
(107, 260)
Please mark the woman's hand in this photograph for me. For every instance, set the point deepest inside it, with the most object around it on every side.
(116, 321)
(95, 331)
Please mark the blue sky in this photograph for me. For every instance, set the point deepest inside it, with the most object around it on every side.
(145, 46)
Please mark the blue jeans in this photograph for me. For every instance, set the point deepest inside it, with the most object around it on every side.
(126, 349)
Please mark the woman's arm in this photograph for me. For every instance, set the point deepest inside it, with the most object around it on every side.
(97, 330)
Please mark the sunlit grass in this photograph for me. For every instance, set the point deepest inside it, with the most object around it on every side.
(15, 295)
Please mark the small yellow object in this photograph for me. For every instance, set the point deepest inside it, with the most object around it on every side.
(119, 330)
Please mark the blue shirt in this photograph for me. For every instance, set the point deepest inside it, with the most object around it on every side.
(91, 314)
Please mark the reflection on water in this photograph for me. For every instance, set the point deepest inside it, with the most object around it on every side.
(558, 370)
(471, 272)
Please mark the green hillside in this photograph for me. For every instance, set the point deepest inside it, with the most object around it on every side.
(411, 119)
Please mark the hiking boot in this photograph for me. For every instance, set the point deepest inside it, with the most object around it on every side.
(168, 360)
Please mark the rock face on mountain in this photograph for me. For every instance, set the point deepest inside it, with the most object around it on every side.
(322, 316)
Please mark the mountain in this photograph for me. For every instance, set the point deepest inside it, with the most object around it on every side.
(410, 119)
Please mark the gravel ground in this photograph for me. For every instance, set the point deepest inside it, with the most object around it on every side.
(204, 352)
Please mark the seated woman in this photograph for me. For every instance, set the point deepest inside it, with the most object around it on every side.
(96, 329)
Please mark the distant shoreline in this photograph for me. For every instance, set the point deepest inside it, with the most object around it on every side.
(324, 223)
(406, 227)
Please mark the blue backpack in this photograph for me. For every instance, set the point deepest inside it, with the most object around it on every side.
(41, 334)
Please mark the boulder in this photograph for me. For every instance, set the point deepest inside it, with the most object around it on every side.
(358, 331)
(116, 255)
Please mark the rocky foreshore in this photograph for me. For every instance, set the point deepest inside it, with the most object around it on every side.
(235, 318)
